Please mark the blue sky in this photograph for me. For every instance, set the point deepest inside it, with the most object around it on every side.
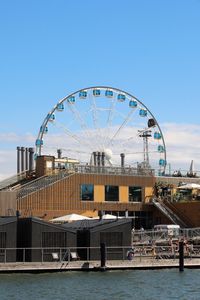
(52, 48)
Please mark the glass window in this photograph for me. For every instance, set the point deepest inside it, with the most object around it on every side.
(135, 194)
(87, 192)
(111, 193)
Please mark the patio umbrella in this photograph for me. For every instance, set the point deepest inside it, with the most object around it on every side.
(189, 186)
(107, 217)
(69, 218)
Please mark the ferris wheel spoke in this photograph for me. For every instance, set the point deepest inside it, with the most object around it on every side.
(110, 119)
(121, 126)
(78, 117)
(97, 126)
(71, 134)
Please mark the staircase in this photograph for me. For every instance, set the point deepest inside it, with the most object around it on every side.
(41, 183)
(173, 217)
(11, 181)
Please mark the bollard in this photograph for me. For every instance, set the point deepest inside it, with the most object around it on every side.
(181, 256)
(103, 256)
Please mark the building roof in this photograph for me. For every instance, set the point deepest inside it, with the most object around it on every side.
(46, 223)
(7, 220)
(96, 224)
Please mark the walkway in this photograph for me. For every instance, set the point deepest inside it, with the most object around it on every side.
(136, 263)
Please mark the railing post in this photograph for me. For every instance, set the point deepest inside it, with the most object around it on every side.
(103, 256)
(5, 255)
(60, 254)
(42, 255)
(68, 253)
(24, 255)
(181, 256)
(87, 254)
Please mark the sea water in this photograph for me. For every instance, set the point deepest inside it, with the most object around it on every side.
(140, 284)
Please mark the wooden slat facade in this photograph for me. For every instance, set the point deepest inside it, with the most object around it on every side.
(8, 203)
(64, 196)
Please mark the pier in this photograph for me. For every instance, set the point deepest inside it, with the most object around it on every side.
(136, 264)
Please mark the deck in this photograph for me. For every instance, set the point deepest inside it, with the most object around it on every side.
(135, 264)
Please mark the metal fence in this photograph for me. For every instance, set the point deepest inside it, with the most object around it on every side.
(87, 254)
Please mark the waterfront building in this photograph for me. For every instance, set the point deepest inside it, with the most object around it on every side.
(137, 186)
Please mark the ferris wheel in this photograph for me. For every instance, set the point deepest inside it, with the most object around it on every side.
(107, 120)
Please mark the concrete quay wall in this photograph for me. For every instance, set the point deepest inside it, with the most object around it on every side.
(136, 263)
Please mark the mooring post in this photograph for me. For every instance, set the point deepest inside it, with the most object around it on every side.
(103, 256)
(181, 256)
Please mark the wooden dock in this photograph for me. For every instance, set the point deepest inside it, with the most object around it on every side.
(135, 264)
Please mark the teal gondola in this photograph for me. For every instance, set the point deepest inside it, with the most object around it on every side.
(133, 103)
(143, 112)
(121, 97)
(83, 94)
(96, 92)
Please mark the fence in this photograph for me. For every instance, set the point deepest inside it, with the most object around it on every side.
(87, 254)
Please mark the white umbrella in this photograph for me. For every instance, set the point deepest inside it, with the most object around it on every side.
(69, 218)
(189, 186)
(107, 217)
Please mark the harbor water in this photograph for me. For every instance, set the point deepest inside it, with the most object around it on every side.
(117, 285)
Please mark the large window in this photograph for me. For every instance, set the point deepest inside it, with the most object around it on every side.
(87, 192)
(135, 194)
(111, 193)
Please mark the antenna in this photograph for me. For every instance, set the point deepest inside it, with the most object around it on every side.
(145, 135)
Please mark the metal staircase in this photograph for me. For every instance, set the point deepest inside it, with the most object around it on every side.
(11, 181)
(174, 218)
(41, 183)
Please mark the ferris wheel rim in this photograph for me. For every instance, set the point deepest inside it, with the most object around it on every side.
(101, 87)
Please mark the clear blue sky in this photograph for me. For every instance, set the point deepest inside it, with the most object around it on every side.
(150, 48)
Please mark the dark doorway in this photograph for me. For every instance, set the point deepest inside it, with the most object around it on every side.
(83, 240)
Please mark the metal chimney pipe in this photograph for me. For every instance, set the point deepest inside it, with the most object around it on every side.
(31, 158)
(103, 159)
(22, 158)
(122, 160)
(18, 160)
(59, 151)
(26, 159)
(95, 158)
(98, 158)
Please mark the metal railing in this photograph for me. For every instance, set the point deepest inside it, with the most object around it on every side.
(41, 183)
(169, 213)
(57, 175)
(157, 236)
(92, 254)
